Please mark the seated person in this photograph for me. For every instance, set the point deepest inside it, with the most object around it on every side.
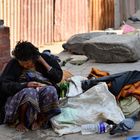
(28, 97)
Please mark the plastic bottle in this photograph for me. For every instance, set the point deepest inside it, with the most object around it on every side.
(101, 127)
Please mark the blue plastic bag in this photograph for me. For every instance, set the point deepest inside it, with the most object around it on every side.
(136, 137)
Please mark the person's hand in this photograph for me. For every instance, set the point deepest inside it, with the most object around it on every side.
(34, 84)
(40, 59)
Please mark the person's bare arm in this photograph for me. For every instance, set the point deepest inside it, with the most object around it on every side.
(51, 68)
(42, 61)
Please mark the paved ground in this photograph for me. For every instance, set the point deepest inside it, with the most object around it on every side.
(10, 133)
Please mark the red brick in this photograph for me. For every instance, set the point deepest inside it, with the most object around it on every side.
(4, 46)
(4, 30)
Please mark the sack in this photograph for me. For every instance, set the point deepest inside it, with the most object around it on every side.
(95, 105)
(130, 106)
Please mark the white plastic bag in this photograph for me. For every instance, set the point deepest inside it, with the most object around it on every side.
(96, 104)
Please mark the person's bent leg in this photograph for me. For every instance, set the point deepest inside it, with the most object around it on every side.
(22, 118)
(23, 108)
(49, 104)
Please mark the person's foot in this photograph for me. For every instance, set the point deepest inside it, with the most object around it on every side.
(21, 127)
(35, 125)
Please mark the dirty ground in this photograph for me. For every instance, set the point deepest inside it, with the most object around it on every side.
(80, 69)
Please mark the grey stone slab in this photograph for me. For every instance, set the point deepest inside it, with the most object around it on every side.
(113, 48)
(75, 43)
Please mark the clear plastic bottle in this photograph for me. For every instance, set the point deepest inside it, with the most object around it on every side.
(101, 127)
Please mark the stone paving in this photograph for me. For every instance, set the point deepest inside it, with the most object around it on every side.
(7, 133)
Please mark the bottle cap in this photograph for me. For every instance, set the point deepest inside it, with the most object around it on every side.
(102, 127)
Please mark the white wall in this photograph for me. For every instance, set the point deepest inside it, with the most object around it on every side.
(124, 9)
(117, 14)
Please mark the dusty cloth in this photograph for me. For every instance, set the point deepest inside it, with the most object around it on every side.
(97, 73)
(119, 80)
(44, 100)
(130, 106)
(127, 28)
(130, 90)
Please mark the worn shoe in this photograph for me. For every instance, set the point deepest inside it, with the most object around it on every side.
(123, 127)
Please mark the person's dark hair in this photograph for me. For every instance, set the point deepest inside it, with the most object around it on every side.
(25, 50)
